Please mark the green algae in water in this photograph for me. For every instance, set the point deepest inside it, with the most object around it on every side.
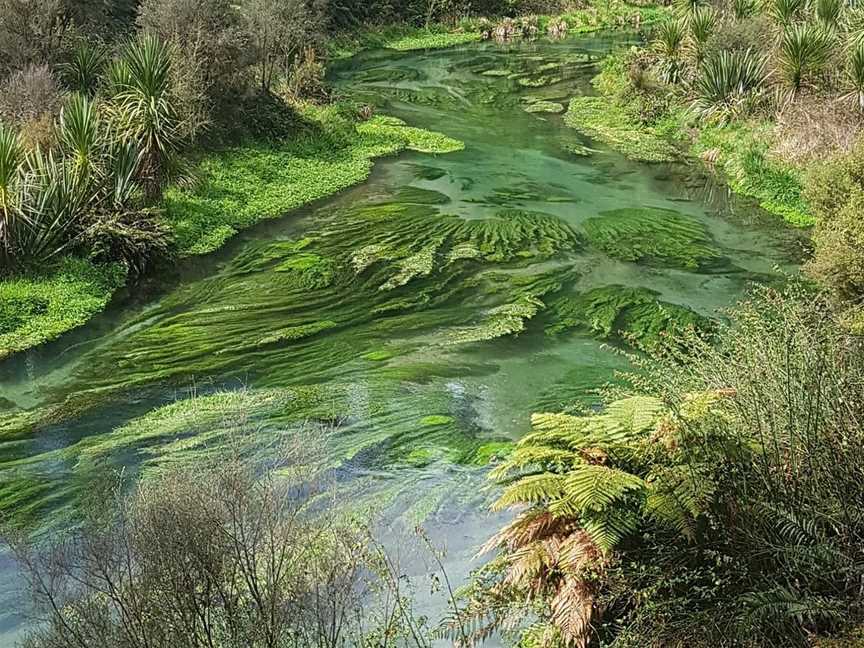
(330, 348)
(435, 420)
(544, 107)
(660, 237)
(633, 313)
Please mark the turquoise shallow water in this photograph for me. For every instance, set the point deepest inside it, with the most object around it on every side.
(375, 312)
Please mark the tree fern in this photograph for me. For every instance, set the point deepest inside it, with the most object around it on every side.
(678, 495)
(609, 527)
(595, 488)
(531, 490)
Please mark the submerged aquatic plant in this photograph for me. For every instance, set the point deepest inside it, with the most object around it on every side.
(636, 315)
(654, 236)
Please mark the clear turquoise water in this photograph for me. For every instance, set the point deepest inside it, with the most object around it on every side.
(382, 360)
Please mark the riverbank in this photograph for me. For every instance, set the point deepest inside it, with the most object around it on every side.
(650, 129)
(235, 188)
(594, 16)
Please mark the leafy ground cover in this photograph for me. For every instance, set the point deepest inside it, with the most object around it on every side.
(242, 185)
(36, 309)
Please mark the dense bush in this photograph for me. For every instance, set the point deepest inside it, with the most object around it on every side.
(112, 158)
(721, 505)
(835, 191)
(209, 52)
(730, 84)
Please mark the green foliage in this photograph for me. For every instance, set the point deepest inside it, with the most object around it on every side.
(702, 23)
(143, 112)
(614, 126)
(829, 12)
(751, 170)
(743, 8)
(835, 189)
(855, 71)
(786, 11)
(715, 510)
(427, 39)
(804, 50)
(730, 84)
(669, 39)
(84, 72)
(653, 236)
(635, 314)
(242, 185)
(39, 308)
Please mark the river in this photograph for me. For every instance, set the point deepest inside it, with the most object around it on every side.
(411, 316)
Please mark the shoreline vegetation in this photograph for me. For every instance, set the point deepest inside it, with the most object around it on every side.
(322, 150)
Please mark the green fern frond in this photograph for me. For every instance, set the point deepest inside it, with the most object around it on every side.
(677, 496)
(781, 606)
(561, 430)
(608, 528)
(792, 527)
(531, 490)
(622, 422)
(595, 487)
(550, 458)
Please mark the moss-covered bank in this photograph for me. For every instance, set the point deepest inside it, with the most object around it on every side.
(242, 185)
(38, 308)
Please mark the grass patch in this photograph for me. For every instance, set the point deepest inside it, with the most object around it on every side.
(742, 154)
(39, 308)
(242, 185)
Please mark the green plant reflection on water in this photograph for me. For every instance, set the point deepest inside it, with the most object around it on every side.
(423, 315)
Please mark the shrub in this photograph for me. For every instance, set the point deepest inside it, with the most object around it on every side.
(668, 42)
(743, 8)
(84, 71)
(730, 84)
(31, 33)
(702, 22)
(30, 94)
(786, 11)
(804, 49)
(740, 34)
(855, 73)
(829, 12)
(719, 504)
(835, 189)
(142, 111)
(50, 200)
(209, 57)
